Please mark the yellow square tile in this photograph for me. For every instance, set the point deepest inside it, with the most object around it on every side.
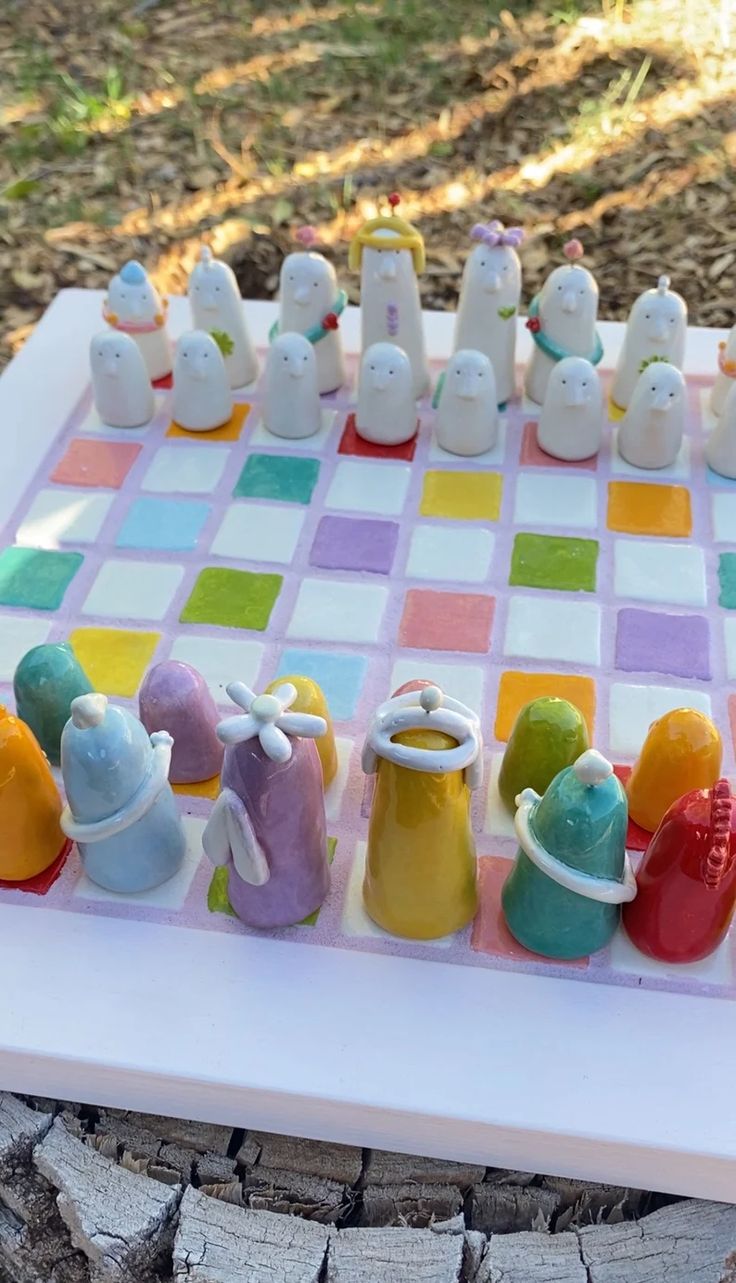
(114, 659)
(462, 496)
(639, 508)
(202, 788)
(517, 689)
(229, 431)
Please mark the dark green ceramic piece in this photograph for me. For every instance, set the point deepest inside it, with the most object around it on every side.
(46, 681)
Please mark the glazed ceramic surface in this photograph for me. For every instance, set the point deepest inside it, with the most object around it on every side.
(489, 302)
(390, 308)
(30, 807)
(571, 419)
(568, 309)
(202, 396)
(682, 751)
(386, 411)
(720, 448)
(135, 307)
(310, 699)
(46, 681)
(655, 331)
(174, 697)
(650, 433)
(308, 293)
(120, 381)
(548, 735)
(214, 298)
(291, 407)
(467, 415)
(726, 374)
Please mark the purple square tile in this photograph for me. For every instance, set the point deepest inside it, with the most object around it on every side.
(344, 543)
(656, 642)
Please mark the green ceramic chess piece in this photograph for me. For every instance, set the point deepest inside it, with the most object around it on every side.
(563, 896)
(548, 734)
(46, 681)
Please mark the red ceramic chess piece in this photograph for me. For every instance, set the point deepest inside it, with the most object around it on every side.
(687, 879)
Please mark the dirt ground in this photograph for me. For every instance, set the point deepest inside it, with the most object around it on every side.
(141, 129)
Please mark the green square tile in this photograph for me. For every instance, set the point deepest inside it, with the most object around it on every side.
(553, 561)
(277, 476)
(218, 900)
(232, 598)
(35, 578)
(727, 580)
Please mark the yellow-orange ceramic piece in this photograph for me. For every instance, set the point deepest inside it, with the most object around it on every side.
(682, 751)
(30, 806)
(310, 698)
(517, 689)
(641, 508)
(420, 875)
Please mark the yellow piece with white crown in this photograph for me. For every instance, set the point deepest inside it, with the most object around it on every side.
(30, 807)
(420, 876)
(310, 698)
(682, 751)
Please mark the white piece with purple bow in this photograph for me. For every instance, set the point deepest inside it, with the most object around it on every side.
(489, 301)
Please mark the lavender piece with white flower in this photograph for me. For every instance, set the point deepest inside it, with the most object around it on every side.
(268, 824)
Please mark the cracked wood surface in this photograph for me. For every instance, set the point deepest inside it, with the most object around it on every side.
(414, 1205)
(688, 1242)
(506, 1209)
(342, 1163)
(384, 1167)
(531, 1258)
(387, 1255)
(219, 1243)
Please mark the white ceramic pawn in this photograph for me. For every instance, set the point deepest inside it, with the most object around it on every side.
(656, 327)
(214, 298)
(134, 306)
(467, 415)
(386, 412)
(308, 292)
(202, 397)
(650, 433)
(726, 373)
(291, 405)
(120, 384)
(720, 447)
(571, 419)
(567, 309)
(489, 302)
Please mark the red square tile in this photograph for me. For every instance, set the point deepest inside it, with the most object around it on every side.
(533, 456)
(490, 933)
(43, 881)
(166, 381)
(446, 620)
(351, 443)
(637, 839)
(103, 464)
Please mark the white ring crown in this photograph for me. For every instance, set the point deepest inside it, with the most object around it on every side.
(427, 709)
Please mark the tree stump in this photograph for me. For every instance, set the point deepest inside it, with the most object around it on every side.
(688, 1242)
(394, 1256)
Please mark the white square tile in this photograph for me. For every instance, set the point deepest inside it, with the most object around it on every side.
(620, 468)
(548, 627)
(655, 571)
(634, 708)
(452, 554)
(334, 794)
(327, 610)
(355, 920)
(133, 590)
(555, 499)
(94, 424)
(361, 485)
(187, 469)
(171, 894)
(261, 435)
(258, 532)
(220, 660)
(724, 516)
(729, 636)
(716, 969)
(17, 636)
(498, 821)
(460, 681)
(58, 517)
(487, 459)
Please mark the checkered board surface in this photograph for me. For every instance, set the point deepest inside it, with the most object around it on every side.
(502, 578)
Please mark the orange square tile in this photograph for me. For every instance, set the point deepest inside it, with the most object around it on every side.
(202, 788)
(639, 508)
(229, 431)
(517, 689)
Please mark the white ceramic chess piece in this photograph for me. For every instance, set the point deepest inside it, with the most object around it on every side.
(135, 306)
(562, 321)
(202, 397)
(214, 298)
(467, 415)
(120, 383)
(311, 304)
(720, 447)
(571, 418)
(726, 373)
(489, 301)
(389, 252)
(657, 327)
(291, 405)
(386, 412)
(650, 433)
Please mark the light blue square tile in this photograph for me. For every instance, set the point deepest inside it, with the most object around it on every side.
(340, 676)
(172, 525)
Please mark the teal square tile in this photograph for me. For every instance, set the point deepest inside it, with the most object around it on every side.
(554, 561)
(727, 580)
(277, 476)
(36, 578)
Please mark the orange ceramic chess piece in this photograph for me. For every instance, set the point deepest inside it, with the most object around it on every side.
(310, 698)
(30, 834)
(682, 751)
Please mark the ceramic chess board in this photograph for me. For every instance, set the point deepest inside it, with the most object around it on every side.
(501, 578)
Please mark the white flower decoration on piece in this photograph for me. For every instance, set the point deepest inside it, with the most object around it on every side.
(266, 718)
